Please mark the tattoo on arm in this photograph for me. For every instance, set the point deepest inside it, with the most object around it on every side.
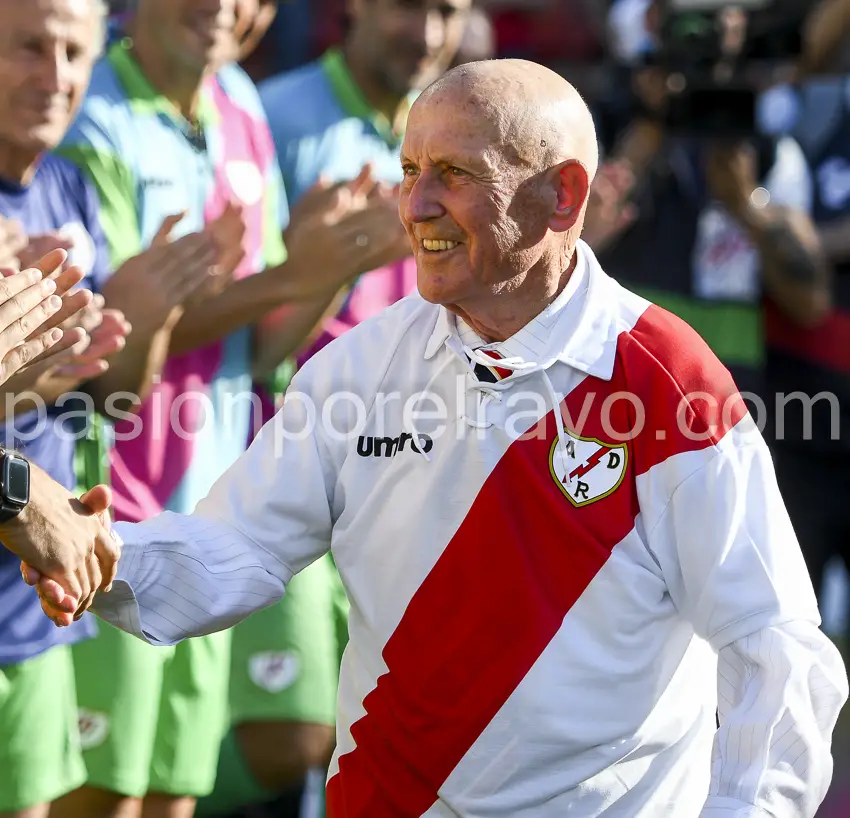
(782, 246)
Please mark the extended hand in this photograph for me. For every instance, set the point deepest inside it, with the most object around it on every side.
(66, 541)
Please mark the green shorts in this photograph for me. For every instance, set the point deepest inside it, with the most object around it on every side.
(40, 758)
(285, 659)
(152, 718)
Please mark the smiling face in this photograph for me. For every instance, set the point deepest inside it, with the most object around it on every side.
(477, 213)
(47, 50)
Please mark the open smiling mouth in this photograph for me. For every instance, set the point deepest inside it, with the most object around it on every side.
(439, 246)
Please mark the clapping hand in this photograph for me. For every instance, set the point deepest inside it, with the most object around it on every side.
(342, 230)
(152, 288)
(33, 305)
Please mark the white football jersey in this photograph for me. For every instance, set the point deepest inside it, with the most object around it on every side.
(566, 555)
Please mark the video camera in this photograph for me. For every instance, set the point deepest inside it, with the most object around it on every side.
(712, 51)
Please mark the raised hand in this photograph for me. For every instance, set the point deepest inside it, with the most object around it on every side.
(357, 229)
(228, 235)
(151, 288)
(103, 333)
(39, 246)
(33, 304)
(12, 241)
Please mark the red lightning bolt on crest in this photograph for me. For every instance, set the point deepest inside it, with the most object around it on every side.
(592, 462)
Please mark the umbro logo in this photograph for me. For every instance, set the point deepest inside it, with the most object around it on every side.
(391, 446)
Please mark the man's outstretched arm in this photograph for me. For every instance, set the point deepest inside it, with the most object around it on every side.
(266, 519)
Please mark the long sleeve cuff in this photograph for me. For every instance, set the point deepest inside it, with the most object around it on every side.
(119, 607)
(731, 808)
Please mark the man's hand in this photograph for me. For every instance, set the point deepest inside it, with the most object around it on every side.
(57, 604)
(227, 233)
(33, 304)
(104, 333)
(609, 211)
(343, 231)
(64, 540)
(732, 177)
(39, 246)
(12, 241)
(151, 288)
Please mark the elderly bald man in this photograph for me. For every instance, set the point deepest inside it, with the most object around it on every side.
(561, 536)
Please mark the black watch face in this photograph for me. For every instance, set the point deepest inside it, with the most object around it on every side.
(17, 481)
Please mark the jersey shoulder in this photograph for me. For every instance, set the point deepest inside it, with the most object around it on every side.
(300, 102)
(670, 369)
(359, 360)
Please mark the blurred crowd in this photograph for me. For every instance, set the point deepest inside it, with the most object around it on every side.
(225, 172)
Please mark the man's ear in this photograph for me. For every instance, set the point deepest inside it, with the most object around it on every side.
(572, 187)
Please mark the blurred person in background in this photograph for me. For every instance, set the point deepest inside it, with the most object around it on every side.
(479, 38)
(810, 366)
(684, 222)
(174, 138)
(48, 210)
(337, 122)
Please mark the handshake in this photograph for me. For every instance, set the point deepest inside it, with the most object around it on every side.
(66, 545)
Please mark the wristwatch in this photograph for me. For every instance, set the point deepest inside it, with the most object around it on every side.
(14, 485)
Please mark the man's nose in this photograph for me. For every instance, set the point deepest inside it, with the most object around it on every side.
(54, 75)
(422, 202)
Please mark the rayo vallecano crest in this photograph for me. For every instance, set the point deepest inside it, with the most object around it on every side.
(592, 470)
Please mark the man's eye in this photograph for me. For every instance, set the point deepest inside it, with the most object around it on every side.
(408, 170)
(453, 171)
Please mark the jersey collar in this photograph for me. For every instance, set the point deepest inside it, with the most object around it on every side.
(143, 97)
(352, 101)
(578, 328)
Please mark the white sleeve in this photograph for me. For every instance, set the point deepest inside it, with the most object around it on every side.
(733, 567)
(779, 693)
(265, 519)
(789, 181)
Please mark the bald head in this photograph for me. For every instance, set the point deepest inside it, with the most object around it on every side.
(537, 118)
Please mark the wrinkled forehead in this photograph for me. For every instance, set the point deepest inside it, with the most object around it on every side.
(451, 126)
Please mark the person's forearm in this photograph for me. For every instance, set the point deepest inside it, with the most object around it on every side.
(131, 371)
(794, 270)
(172, 585)
(779, 694)
(639, 145)
(243, 303)
(284, 331)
